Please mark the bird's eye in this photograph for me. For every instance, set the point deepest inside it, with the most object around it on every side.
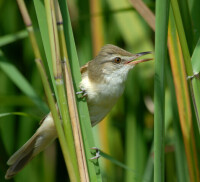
(117, 60)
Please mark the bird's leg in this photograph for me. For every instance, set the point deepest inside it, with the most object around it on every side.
(97, 153)
(82, 92)
(195, 75)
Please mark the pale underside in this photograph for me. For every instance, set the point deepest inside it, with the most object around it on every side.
(101, 97)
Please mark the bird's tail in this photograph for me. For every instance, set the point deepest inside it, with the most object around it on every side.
(45, 134)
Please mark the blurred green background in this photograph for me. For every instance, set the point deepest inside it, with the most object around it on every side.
(127, 132)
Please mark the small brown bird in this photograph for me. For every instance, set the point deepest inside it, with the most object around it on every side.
(103, 81)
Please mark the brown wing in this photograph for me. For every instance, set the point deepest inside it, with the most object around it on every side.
(83, 68)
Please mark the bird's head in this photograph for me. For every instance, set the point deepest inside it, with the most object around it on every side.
(113, 63)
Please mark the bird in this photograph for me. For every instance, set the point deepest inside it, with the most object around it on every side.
(103, 82)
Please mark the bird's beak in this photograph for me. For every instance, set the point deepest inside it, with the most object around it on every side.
(133, 60)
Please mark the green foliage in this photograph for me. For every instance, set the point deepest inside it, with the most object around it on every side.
(127, 135)
(162, 12)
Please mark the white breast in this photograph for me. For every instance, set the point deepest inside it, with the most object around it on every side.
(102, 97)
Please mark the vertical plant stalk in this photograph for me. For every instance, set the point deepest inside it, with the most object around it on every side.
(75, 125)
(85, 123)
(53, 34)
(55, 50)
(56, 62)
(71, 99)
(187, 24)
(63, 53)
(29, 27)
(180, 157)
(183, 101)
(183, 41)
(187, 59)
(196, 81)
(57, 121)
(162, 15)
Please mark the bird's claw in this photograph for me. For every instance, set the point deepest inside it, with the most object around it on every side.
(82, 92)
(195, 75)
(84, 95)
(97, 153)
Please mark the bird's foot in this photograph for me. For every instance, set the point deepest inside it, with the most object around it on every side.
(195, 75)
(97, 153)
(83, 92)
